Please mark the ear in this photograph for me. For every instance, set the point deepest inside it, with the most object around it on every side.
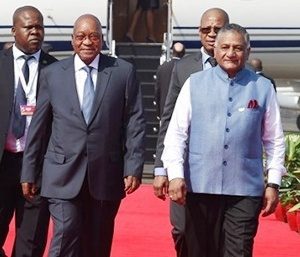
(199, 32)
(72, 40)
(248, 53)
(13, 31)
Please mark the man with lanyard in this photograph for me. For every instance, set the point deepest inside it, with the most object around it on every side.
(20, 65)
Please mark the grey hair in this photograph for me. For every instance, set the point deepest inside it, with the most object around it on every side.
(237, 28)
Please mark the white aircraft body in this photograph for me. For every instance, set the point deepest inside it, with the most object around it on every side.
(274, 27)
(59, 17)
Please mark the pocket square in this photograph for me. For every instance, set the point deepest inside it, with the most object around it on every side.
(253, 104)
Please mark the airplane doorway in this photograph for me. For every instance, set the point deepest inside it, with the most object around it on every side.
(122, 15)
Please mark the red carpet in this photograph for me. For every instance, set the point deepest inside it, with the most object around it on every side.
(143, 230)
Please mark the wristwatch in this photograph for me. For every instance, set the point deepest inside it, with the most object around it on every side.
(273, 185)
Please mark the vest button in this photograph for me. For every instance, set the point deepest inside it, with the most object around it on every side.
(229, 114)
(231, 83)
(226, 146)
(227, 129)
(224, 163)
(230, 99)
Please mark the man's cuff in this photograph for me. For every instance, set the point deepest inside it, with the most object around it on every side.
(160, 171)
(175, 171)
(274, 176)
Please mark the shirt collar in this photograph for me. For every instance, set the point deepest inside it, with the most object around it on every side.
(17, 53)
(205, 56)
(79, 64)
(239, 76)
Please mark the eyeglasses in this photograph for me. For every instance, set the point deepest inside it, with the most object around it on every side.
(92, 37)
(207, 30)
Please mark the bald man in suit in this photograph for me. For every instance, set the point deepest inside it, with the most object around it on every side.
(95, 149)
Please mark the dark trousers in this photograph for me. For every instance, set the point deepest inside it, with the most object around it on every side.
(83, 226)
(177, 218)
(221, 226)
(31, 218)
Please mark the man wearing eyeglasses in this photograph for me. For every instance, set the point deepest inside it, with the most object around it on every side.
(94, 157)
(211, 22)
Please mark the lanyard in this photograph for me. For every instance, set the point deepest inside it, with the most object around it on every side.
(27, 86)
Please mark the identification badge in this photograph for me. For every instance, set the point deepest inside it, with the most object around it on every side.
(27, 110)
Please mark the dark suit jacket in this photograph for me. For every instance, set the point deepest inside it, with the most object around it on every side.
(269, 78)
(103, 151)
(182, 70)
(163, 77)
(7, 88)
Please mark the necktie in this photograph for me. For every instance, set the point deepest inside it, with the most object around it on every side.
(88, 94)
(212, 61)
(19, 121)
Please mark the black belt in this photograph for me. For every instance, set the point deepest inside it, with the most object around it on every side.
(12, 154)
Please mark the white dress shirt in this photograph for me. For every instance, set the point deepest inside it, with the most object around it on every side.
(13, 144)
(80, 75)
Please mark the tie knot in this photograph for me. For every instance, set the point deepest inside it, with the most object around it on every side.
(212, 61)
(27, 57)
(88, 69)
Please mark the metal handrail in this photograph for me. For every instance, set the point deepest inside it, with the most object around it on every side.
(110, 43)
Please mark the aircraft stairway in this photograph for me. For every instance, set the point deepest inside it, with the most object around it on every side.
(145, 57)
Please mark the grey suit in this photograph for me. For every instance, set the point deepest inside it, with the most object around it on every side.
(32, 217)
(181, 71)
(93, 157)
(163, 77)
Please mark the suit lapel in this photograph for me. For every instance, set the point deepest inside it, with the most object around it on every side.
(43, 62)
(9, 82)
(104, 73)
(68, 75)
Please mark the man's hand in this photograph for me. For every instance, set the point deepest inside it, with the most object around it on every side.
(177, 190)
(271, 199)
(131, 184)
(29, 190)
(160, 186)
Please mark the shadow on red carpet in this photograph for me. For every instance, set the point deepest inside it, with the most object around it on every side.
(143, 230)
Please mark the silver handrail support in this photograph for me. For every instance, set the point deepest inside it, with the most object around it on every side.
(109, 31)
(169, 35)
(167, 38)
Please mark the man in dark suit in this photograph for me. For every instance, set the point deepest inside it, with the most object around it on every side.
(95, 150)
(32, 217)
(163, 76)
(211, 22)
(256, 63)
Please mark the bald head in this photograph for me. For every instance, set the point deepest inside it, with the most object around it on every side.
(178, 50)
(26, 9)
(256, 64)
(88, 18)
(215, 12)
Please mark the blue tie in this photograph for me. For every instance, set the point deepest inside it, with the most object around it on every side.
(88, 94)
(19, 121)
